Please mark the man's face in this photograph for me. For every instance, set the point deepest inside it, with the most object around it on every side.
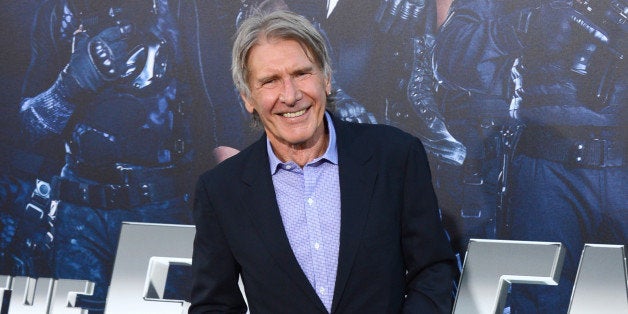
(288, 91)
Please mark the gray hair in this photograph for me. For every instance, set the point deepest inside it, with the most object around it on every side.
(279, 24)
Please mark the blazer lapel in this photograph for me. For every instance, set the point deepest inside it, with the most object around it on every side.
(264, 213)
(357, 179)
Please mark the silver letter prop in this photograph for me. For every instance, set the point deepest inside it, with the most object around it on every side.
(601, 285)
(145, 252)
(42, 295)
(30, 295)
(64, 293)
(490, 266)
(5, 292)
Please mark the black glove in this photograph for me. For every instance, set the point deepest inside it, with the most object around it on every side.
(100, 59)
(349, 109)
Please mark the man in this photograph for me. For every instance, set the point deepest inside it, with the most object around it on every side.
(102, 87)
(319, 215)
(406, 28)
(558, 69)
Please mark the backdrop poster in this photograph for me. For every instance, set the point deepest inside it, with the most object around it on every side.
(111, 109)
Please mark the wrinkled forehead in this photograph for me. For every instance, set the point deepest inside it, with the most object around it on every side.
(272, 38)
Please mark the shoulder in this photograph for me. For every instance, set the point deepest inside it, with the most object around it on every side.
(382, 146)
(232, 168)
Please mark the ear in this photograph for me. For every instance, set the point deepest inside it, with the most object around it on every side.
(328, 85)
(247, 104)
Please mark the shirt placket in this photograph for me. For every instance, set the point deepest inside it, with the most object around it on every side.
(314, 232)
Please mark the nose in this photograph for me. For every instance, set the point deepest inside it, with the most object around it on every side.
(291, 92)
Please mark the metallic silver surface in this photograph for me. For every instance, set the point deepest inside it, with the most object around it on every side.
(64, 293)
(145, 252)
(5, 286)
(490, 266)
(30, 295)
(42, 295)
(601, 283)
(158, 267)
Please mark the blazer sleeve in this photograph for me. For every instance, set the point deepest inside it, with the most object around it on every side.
(428, 256)
(216, 272)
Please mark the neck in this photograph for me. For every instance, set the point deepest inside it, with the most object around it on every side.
(302, 153)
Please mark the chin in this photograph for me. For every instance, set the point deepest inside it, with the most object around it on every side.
(297, 135)
(297, 140)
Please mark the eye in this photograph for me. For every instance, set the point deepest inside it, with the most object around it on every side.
(268, 82)
(303, 74)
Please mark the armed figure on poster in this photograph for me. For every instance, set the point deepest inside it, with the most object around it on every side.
(558, 70)
(413, 106)
(103, 82)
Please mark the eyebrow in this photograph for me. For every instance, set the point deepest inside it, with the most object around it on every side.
(304, 69)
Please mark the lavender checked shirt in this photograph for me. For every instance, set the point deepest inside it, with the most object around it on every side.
(309, 204)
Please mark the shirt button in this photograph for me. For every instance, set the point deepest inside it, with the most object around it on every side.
(288, 167)
(317, 246)
(321, 290)
(310, 201)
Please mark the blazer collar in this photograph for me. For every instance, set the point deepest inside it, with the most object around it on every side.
(357, 178)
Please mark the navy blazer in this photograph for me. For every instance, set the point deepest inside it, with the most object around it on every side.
(394, 254)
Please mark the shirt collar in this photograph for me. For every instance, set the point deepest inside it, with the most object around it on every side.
(330, 155)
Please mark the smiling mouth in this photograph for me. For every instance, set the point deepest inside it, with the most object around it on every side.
(294, 114)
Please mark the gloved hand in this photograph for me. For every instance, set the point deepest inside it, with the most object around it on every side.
(554, 25)
(348, 109)
(100, 59)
